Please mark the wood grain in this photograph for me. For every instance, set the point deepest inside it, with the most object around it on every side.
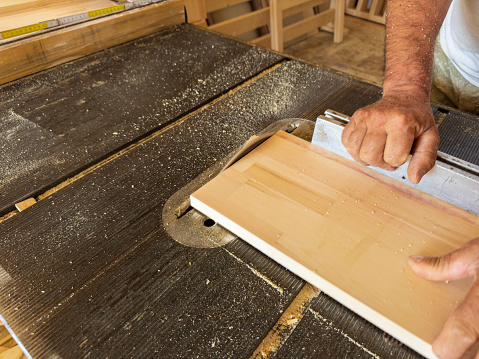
(23, 13)
(50, 49)
(346, 229)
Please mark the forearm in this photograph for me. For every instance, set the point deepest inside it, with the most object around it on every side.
(411, 30)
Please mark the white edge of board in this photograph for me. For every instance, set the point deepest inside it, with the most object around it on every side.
(380, 321)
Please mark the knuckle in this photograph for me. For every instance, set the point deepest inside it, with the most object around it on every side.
(441, 263)
(346, 136)
(361, 113)
(403, 122)
(464, 332)
(369, 157)
(395, 159)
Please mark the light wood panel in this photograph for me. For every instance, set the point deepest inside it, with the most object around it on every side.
(346, 229)
(9, 6)
(32, 12)
(43, 51)
(8, 347)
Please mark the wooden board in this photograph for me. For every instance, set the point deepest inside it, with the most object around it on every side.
(22, 13)
(346, 229)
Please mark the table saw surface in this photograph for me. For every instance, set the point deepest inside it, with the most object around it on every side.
(110, 145)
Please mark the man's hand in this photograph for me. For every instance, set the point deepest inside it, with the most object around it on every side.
(383, 134)
(461, 330)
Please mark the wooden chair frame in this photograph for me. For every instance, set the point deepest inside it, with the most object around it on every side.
(280, 34)
(272, 16)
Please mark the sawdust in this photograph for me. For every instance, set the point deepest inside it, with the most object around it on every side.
(332, 327)
(22, 154)
(257, 273)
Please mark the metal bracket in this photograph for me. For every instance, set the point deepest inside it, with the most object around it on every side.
(451, 180)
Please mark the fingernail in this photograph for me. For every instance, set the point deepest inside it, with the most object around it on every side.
(416, 259)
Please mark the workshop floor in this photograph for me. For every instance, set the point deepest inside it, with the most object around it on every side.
(360, 54)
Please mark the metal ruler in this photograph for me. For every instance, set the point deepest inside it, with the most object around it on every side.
(451, 179)
(67, 20)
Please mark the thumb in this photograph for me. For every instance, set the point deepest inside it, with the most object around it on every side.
(424, 155)
(462, 263)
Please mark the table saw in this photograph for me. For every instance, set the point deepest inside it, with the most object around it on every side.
(111, 261)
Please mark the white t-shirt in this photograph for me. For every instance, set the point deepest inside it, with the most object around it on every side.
(459, 37)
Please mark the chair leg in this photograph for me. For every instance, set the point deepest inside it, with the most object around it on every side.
(338, 20)
(276, 21)
(195, 10)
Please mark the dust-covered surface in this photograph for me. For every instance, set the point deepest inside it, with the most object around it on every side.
(459, 133)
(329, 330)
(92, 270)
(93, 273)
(22, 147)
(79, 112)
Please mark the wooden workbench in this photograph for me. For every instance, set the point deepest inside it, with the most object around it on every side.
(107, 144)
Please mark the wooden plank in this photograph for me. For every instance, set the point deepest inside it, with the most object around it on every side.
(339, 6)
(303, 26)
(288, 4)
(375, 13)
(278, 32)
(276, 25)
(366, 16)
(74, 114)
(347, 230)
(21, 206)
(215, 5)
(263, 41)
(9, 6)
(303, 7)
(362, 5)
(195, 10)
(241, 24)
(33, 12)
(375, 7)
(13, 353)
(40, 52)
(351, 4)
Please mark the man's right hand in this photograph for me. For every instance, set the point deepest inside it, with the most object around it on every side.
(461, 331)
(382, 135)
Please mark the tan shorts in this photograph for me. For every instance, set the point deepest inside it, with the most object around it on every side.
(450, 81)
